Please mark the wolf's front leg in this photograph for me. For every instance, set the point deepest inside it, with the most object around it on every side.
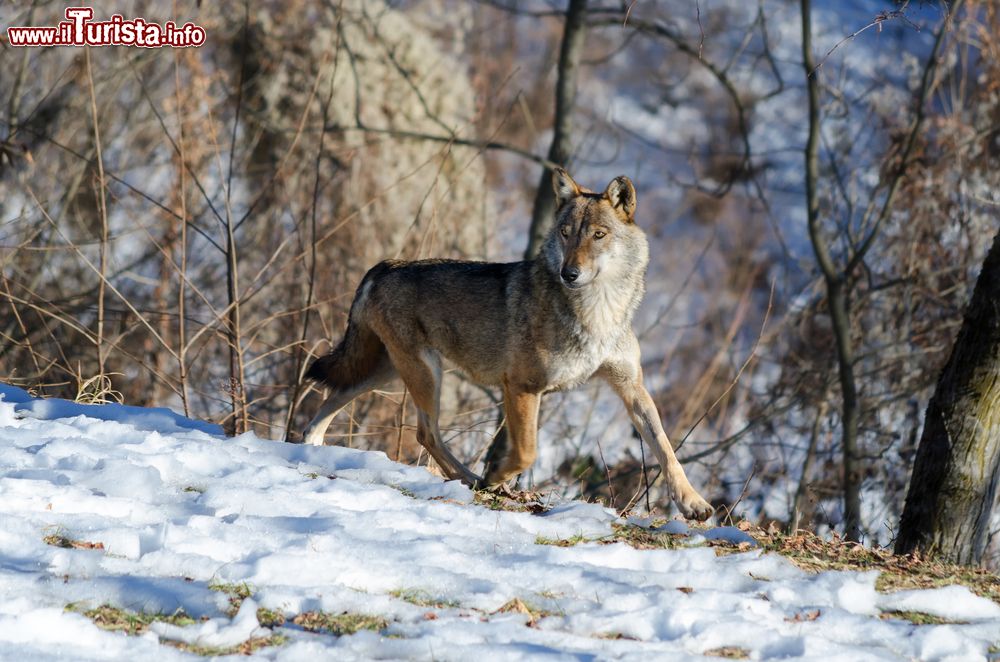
(647, 421)
(518, 453)
(627, 382)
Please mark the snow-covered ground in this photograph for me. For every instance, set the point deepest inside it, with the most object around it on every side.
(178, 509)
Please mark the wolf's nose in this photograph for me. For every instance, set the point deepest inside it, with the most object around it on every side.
(570, 274)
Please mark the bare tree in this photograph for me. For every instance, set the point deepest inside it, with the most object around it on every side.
(838, 277)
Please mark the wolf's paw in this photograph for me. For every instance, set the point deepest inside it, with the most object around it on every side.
(500, 489)
(468, 478)
(496, 480)
(692, 506)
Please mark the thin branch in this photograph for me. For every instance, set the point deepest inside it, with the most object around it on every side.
(880, 18)
(103, 211)
(659, 29)
(739, 373)
(911, 139)
(462, 142)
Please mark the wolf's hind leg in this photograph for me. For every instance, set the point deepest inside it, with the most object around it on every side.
(341, 397)
(422, 376)
(430, 438)
(336, 401)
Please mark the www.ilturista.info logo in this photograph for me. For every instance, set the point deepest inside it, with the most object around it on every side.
(79, 30)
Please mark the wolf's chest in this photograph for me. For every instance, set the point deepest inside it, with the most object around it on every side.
(574, 364)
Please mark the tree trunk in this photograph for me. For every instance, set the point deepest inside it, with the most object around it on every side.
(957, 467)
(569, 63)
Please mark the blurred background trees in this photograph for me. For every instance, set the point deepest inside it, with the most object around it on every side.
(186, 228)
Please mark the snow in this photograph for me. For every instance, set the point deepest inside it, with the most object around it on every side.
(951, 602)
(215, 632)
(179, 508)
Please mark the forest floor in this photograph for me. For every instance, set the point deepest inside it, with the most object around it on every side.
(128, 533)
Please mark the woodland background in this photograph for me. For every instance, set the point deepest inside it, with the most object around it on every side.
(186, 228)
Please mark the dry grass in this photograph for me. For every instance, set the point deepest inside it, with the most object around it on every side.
(97, 390)
(518, 501)
(422, 598)
(563, 542)
(62, 540)
(814, 554)
(116, 619)
(917, 618)
(108, 617)
(614, 636)
(237, 592)
(533, 612)
(728, 652)
(270, 618)
(640, 538)
(634, 536)
(339, 624)
(810, 552)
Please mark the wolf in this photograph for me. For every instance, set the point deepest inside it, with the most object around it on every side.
(529, 327)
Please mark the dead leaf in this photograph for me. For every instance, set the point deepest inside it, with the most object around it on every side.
(804, 616)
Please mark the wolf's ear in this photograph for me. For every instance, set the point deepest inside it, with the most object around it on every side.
(621, 194)
(564, 186)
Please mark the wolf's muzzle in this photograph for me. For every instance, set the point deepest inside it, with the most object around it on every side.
(570, 274)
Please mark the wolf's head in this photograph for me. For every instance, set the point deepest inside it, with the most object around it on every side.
(595, 236)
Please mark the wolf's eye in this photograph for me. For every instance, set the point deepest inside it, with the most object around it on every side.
(600, 235)
(564, 230)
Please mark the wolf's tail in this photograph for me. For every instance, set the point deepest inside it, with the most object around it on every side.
(358, 355)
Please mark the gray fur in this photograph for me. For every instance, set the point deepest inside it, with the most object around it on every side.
(521, 325)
